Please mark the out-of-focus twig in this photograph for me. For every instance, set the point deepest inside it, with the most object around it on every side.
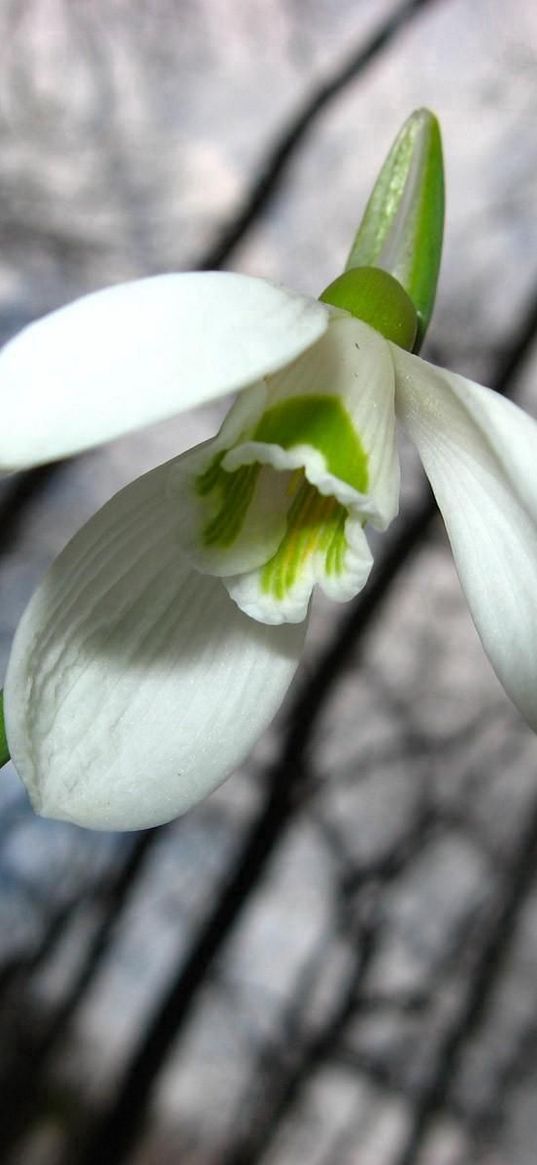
(272, 167)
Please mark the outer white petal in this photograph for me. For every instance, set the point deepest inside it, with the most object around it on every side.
(140, 352)
(136, 685)
(480, 453)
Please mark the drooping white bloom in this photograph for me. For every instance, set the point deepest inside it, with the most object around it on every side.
(148, 661)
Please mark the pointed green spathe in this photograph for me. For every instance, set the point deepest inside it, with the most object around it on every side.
(403, 224)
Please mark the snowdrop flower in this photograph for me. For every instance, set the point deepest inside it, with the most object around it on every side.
(165, 635)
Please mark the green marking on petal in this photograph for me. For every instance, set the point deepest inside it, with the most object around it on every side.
(324, 423)
(335, 558)
(236, 491)
(211, 477)
(314, 524)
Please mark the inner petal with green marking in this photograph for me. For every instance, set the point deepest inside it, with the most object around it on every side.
(304, 455)
(323, 423)
(277, 503)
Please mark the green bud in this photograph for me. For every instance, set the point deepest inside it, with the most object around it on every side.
(374, 296)
(402, 228)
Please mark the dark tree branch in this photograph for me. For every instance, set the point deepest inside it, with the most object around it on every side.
(489, 964)
(22, 1078)
(271, 170)
(31, 484)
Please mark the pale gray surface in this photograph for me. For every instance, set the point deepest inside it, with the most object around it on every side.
(125, 144)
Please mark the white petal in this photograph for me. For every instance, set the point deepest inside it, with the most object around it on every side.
(136, 685)
(140, 352)
(480, 453)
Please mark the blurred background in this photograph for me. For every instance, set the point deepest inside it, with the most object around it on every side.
(333, 960)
